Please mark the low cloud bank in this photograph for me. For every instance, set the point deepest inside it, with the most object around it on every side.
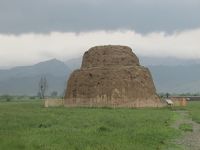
(30, 48)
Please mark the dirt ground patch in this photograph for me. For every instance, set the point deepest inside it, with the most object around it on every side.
(189, 140)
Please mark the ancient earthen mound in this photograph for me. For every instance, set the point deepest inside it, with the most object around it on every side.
(111, 76)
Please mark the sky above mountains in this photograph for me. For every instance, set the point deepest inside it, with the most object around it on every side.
(38, 30)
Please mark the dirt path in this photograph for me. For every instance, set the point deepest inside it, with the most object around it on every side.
(189, 140)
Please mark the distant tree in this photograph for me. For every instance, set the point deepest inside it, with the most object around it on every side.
(64, 91)
(167, 95)
(39, 94)
(7, 98)
(62, 95)
(42, 87)
(32, 97)
(54, 94)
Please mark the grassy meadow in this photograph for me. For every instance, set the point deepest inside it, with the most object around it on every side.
(194, 111)
(27, 125)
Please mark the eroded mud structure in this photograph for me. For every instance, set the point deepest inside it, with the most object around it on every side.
(111, 76)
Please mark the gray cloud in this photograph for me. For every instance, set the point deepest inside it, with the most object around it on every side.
(30, 48)
(20, 16)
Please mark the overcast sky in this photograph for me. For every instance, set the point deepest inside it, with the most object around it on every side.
(36, 30)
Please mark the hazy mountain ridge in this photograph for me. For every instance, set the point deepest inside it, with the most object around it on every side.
(178, 78)
(25, 80)
(54, 67)
(167, 61)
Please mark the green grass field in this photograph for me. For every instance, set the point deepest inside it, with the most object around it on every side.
(29, 126)
(194, 110)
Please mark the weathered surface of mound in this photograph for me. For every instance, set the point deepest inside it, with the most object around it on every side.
(111, 76)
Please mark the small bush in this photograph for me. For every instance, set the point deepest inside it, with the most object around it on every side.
(44, 125)
(6, 98)
(103, 129)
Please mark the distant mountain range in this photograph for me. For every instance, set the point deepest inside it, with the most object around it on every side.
(25, 80)
(177, 79)
(170, 75)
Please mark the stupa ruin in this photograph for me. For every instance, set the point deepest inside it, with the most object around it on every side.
(111, 76)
